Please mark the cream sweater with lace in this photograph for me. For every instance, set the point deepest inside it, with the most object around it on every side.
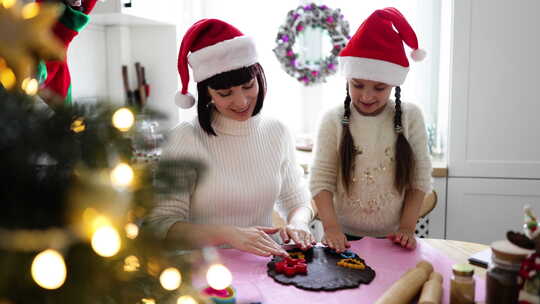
(374, 206)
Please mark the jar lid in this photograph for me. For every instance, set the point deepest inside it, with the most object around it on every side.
(508, 252)
(463, 269)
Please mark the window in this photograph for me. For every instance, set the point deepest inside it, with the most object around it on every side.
(301, 107)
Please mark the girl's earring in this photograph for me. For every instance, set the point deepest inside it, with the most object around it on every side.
(210, 104)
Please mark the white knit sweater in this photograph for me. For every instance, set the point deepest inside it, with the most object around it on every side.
(374, 205)
(250, 168)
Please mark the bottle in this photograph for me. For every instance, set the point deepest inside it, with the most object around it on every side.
(462, 284)
(502, 275)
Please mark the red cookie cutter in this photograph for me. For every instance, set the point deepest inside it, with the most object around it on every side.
(291, 267)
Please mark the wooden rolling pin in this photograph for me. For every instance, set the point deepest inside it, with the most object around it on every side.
(408, 286)
(432, 290)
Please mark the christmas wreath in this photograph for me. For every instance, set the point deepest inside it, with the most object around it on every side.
(297, 21)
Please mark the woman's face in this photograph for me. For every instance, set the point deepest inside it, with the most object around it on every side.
(236, 102)
(369, 97)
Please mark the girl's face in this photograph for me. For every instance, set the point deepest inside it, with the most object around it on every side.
(236, 102)
(369, 97)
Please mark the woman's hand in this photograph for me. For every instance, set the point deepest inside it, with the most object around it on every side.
(299, 233)
(335, 239)
(255, 240)
(404, 238)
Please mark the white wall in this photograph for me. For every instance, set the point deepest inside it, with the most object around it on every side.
(301, 107)
(87, 60)
(155, 48)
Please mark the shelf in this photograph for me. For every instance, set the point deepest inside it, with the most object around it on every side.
(124, 19)
(144, 12)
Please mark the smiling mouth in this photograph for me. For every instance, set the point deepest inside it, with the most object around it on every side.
(241, 111)
(368, 104)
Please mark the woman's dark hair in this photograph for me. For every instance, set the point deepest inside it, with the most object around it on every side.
(405, 161)
(226, 80)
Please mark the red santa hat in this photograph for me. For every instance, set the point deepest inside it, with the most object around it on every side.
(376, 51)
(215, 47)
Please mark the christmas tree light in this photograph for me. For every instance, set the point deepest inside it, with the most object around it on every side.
(170, 278)
(218, 276)
(49, 269)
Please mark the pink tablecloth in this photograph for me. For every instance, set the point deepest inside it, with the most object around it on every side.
(389, 261)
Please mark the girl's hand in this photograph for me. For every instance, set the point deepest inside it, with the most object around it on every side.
(255, 240)
(404, 238)
(335, 239)
(300, 234)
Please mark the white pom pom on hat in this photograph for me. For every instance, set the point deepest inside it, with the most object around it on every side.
(214, 47)
(418, 54)
(184, 101)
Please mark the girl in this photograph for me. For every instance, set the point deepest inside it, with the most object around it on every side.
(372, 168)
(250, 160)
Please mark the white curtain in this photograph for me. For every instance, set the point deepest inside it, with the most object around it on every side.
(300, 107)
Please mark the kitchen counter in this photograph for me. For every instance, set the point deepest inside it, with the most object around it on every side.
(440, 166)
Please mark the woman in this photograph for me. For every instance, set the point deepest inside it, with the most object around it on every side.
(250, 159)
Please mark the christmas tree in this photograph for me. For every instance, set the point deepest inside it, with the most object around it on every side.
(72, 192)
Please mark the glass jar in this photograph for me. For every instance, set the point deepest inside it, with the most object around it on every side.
(502, 275)
(462, 284)
(146, 139)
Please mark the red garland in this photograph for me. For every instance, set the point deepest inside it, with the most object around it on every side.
(529, 267)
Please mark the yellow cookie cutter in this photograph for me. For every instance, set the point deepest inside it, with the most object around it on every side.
(296, 255)
(351, 263)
